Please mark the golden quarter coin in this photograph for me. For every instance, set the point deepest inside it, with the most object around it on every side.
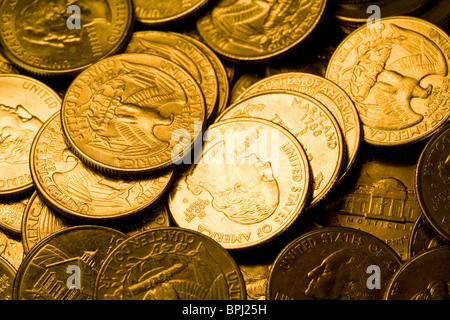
(256, 31)
(11, 214)
(126, 114)
(248, 185)
(176, 48)
(330, 95)
(40, 221)
(169, 264)
(433, 182)
(25, 105)
(331, 263)
(78, 192)
(396, 73)
(243, 83)
(7, 275)
(36, 36)
(310, 122)
(78, 251)
(158, 13)
(424, 277)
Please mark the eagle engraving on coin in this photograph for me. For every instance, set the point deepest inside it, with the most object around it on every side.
(124, 111)
(246, 191)
(87, 186)
(254, 24)
(173, 274)
(387, 76)
(17, 130)
(45, 23)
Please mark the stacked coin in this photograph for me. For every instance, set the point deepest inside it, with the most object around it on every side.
(241, 149)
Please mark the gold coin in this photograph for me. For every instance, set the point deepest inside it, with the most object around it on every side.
(169, 264)
(7, 275)
(330, 95)
(258, 30)
(424, 277)
(247, 80)
(176, 48)
(157, 13)
(40, 221)
(11, 249)
(64, 265)
(11, 214)
(331, 263)
(126, 114)
(251, 184)
(25, 104)
(75, 190)
(396, 73)
(311, 123)
(6, 66)
(44, 38)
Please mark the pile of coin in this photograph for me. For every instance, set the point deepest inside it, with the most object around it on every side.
(216, 150)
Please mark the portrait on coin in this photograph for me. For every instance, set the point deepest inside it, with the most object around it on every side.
(243, 189)
(341, 276)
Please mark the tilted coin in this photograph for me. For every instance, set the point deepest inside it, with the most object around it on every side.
(25, 105)
(433, 182)
(126, 114)
(424, 277)
(396, 73)
(155, 217)
(330, 95)
(256, 30)
(45, 39)
(381, 198)
(243, 83)
(11, 214)
(6, 66)
(178, 49)
(158, 13)
(310, 122)
(169, 264)
(40, 221)
(65, 264)
(75, 190)
(251, 183)
(11, 248)
(356, 14)
(331, 264)
(7, 275)
(223, 77)
(423, 237)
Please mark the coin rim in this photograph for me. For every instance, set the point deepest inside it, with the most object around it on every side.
(444, 235)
